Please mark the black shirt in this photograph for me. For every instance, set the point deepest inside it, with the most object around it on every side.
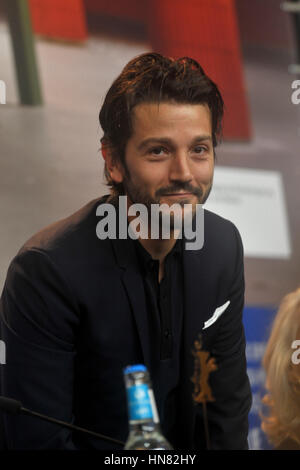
(164, 301)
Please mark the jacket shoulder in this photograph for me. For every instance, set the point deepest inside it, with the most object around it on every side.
(77, 229)
(220, 231)
(217, 220)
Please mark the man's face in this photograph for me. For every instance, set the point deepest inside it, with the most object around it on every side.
(169, 158)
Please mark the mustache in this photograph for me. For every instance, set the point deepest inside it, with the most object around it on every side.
(186, 187)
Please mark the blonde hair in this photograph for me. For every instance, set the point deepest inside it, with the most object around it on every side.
(282, 376)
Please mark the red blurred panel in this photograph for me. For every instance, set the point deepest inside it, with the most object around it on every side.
(61, 19)
(207, 31)
(127, 9)
(274, 33)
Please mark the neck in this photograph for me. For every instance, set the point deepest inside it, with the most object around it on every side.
(158, 249)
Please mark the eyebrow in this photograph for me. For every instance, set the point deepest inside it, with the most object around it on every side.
(166, 140)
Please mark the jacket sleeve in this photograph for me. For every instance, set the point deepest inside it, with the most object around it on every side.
(38, 321)
(228, 414)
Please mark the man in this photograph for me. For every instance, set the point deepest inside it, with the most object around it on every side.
(76, 309)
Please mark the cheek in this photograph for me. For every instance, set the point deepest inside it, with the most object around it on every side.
(203, 173)
(148, 174)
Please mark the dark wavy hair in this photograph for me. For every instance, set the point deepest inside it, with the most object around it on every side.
(149, 78)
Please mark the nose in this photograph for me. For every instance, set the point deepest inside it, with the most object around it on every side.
(180, 168)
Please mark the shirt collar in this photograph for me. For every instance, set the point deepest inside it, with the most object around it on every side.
(146, 259)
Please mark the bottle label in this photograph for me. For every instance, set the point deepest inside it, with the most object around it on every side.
(140, 407)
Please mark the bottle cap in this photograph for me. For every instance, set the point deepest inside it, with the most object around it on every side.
(135, 368)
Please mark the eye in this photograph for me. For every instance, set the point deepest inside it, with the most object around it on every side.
(158, 151)
(200, 152)
(199, 149)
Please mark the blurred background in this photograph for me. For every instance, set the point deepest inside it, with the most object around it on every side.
(57, 60)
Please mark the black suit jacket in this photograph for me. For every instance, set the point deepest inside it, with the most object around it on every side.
(73, 314)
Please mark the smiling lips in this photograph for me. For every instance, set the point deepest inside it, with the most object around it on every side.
(178, 194)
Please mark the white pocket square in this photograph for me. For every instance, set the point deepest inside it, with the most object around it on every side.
(217, 313)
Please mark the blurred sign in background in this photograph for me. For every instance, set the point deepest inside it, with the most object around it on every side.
(254, 201)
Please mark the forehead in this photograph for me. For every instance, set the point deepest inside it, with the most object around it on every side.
(169, 118)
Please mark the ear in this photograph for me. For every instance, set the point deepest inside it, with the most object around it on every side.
(113, 167)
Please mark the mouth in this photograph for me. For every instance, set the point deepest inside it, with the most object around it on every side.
(178, 195)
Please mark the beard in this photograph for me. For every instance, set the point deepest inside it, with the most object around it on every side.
(138, 194)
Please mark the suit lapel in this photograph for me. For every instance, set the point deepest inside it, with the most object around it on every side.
(193, 321)
(195, 294)
(133, 284)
